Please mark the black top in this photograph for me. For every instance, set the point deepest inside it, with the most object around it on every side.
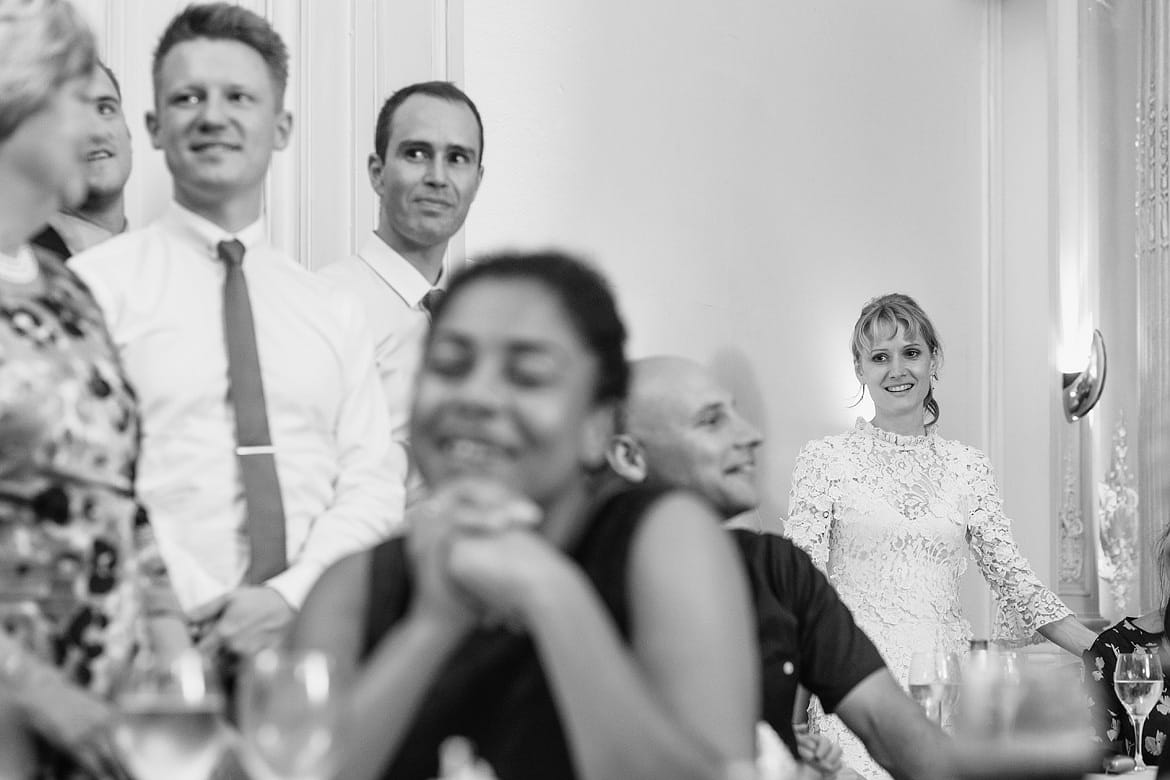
(492, 689)
(1112, 727)
(806, 633)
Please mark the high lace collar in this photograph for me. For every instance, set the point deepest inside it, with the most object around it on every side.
(904, 441)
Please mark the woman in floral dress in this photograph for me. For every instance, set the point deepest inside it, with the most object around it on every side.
(890, 509)
(76, 563)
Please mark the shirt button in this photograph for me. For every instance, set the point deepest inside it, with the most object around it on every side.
(788, 667)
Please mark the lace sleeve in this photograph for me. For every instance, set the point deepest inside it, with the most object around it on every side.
(810, 503)
(1023, 603)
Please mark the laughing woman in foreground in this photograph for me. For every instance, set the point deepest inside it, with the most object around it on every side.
(565, 634)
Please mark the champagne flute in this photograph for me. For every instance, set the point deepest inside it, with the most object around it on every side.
(288, 715)
(1137, 679)
(925, 684)
(169, 724)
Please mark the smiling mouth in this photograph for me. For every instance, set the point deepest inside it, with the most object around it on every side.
(99, 154)
(472, 452)
(898, 388)
(213, 146)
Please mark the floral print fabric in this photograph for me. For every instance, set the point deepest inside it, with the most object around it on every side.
(890, 520)
(73, 544)
(1111, 724)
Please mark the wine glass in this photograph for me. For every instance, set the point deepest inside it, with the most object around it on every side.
(1137, 679)
(169, 724)
(288, 715)
(948, 667)
(925, 683)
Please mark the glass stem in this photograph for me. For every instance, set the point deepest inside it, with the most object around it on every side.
(1139, 722)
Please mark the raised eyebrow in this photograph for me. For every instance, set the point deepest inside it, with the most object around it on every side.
(408, 143)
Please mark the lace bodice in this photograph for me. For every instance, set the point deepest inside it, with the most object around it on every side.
(890, 519)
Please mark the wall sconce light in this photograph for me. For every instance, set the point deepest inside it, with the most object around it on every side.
(1080, 390)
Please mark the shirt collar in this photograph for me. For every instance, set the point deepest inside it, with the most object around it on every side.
(396, 271)
(205, 234)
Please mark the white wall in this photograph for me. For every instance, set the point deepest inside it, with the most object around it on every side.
(748, 179)
(749, 174)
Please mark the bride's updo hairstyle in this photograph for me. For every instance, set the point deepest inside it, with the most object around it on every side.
(883, 317)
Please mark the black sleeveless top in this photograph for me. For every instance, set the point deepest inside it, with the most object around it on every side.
(492, 689)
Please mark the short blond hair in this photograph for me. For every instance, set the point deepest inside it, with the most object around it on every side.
(43, 44)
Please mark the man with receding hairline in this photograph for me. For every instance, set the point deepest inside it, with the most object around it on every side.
(426, 167)
(681, 427)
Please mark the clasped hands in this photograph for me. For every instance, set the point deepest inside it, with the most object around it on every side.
(244, 621)
(475, 555)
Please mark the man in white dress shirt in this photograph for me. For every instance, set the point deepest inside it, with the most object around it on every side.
(219, 79)
(426, 168)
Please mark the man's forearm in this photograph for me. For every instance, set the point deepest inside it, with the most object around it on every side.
(895, 730)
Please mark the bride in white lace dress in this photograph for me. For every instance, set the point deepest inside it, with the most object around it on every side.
(889, 510)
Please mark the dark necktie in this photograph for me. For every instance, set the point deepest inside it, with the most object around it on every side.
(431, 300)
(265, 521)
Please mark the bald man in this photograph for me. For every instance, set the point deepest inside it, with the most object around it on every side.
(681, 427)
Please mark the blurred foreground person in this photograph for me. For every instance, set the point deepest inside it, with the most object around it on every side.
(565, 633)
(680, 427)
(76, 567)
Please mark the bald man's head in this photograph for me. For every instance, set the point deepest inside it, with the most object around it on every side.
(680, 427)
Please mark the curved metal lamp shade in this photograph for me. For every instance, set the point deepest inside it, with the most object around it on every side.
(1081, 391)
